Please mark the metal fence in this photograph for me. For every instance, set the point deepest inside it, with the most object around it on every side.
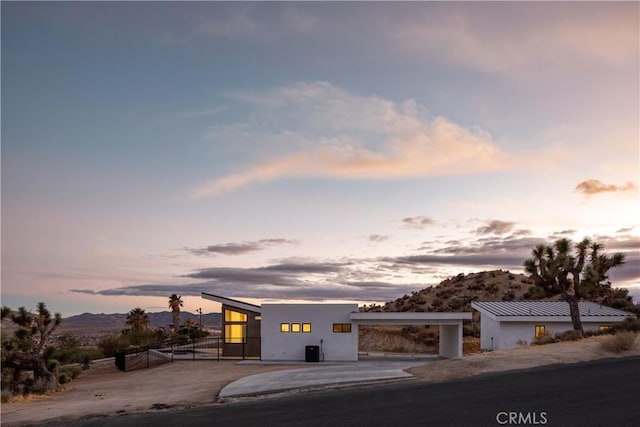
(200, 349)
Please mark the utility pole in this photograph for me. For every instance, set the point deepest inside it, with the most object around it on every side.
(199, 311)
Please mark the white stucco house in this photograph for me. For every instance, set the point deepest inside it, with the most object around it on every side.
(317, 332)
(507, 324)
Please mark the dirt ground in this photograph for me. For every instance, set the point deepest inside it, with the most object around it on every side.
(105, 391)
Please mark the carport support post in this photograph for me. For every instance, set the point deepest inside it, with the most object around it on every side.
(451, 340)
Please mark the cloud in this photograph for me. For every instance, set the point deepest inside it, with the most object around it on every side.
(377, 238)
(496, 227)
(339, 134)
(417, 221)
(376, 279)
(543, 37)
(239, 248)
(595, 186)
(625, 230)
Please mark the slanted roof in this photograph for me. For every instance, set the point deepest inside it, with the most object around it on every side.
(554, 310)
(232, 302)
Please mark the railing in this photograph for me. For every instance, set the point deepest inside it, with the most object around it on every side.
(201, 349)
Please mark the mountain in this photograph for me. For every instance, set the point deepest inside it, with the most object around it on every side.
(89, 324)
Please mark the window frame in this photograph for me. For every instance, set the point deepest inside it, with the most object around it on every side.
(342, 328)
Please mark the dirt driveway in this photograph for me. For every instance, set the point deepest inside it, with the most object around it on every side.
(105, 391)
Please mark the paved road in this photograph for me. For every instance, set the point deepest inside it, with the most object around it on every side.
(601, 393)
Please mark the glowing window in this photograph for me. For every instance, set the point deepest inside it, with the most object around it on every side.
(540, 331)
(234, 333)
(342, 327)
(604, 327)
(295, 327)
(284, 327)
(234, 316)
(306, 327)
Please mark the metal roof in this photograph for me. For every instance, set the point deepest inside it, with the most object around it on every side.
(545, 308)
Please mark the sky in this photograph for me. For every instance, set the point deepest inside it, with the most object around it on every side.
(310, 152)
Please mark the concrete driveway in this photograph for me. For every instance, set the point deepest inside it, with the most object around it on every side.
(367, 369)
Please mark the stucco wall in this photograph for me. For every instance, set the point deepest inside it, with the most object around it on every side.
(291, 346)
(489, 329)
(511, 333)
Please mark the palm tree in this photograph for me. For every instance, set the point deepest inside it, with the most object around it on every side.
(175, 302)
(138, 320)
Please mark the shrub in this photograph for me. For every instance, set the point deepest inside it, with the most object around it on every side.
(570, 335)
(544, 339)
(628, 324)
(620, 342)
(6, 396)
(112, 343)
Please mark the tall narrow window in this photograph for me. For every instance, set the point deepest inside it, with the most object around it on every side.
(540, 331)
(234, 334)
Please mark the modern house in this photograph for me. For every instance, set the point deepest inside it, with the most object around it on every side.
(507, 324)
(317, 332)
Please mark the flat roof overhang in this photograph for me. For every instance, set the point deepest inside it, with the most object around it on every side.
(232, 302)
(409, 318)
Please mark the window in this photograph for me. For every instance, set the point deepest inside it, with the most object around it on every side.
(234, 334)
(234, 316)
(342, 327)
(306, 327)
(604, 327)
(540, 331)
(284, 327)
(295, 327)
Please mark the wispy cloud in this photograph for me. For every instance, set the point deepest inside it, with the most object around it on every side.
(239, 248)
(420, 221)
(496, 227)
(374, 279)
(349, 136)
(590, 187)
(539, 34)
(377, 238)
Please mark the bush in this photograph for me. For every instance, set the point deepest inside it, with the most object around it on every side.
(544, 339)
(620, 342)
(628, 324)
(112, 343)
(570, 335)
(6, 396)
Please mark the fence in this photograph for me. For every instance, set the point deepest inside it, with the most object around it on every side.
(201, 349)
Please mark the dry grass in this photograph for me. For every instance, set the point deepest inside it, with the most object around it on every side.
(385, 339)
(620, 342)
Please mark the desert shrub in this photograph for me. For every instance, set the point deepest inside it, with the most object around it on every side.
(492, 288)
(509, 296)
(569, 335)
(112, 343)
(53, 366)
(72, 371)
(5, 396)
(42, 385)
(620, 342)
(544, 339)
(535, 292)
(628, 324)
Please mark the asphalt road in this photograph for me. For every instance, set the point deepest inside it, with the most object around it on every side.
(601, 393)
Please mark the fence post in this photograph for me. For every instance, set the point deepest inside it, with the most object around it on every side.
(194, 349)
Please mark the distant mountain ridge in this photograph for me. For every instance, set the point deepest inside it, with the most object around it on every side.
(89, 324)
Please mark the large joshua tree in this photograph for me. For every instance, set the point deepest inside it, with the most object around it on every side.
(572, 272)
(25, 350)
(175, 302)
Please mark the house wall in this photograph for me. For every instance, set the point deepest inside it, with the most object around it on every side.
(489, 333)
(512, 334)
(277, 345)
(251, 345)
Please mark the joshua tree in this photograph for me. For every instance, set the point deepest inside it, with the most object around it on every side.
(575, 275)
(25, 350)
(175, 302)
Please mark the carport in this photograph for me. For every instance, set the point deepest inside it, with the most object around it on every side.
(450, 326)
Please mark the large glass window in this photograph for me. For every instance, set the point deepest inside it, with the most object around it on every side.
(234, 334)
(342, 327)
(234, 316)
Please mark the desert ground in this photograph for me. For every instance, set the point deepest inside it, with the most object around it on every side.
(105, 391)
